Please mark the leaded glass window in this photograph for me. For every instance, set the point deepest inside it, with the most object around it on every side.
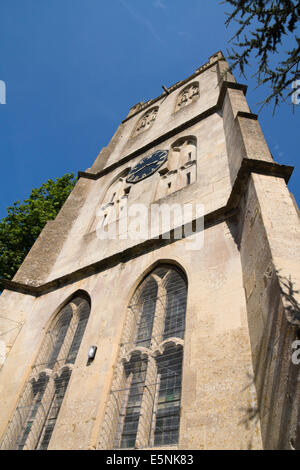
(35, 417)
(144, 406)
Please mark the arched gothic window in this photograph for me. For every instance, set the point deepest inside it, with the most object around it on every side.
(189, 94)
(35, 417)
(181, 168)
(113, 203)
(146, 121)
(144, 405)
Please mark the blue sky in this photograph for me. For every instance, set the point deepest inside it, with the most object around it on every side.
(73, 68)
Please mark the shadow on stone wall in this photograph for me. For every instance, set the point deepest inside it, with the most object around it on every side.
(276, 377)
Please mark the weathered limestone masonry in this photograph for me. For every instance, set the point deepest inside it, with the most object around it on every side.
(240, 388)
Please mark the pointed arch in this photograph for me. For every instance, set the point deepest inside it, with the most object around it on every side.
(35, 417)
(165, 264)
(188, 95)
(78, 293)
(146, 121)
(153, 333)
(116, 186)
(181, 169)
(110, 207)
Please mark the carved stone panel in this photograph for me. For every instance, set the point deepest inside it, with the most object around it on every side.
(146, 121)
(187, 96)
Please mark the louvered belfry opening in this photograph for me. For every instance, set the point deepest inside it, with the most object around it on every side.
(33, 422)
(143, 409)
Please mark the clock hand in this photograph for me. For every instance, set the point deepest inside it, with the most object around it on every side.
(154, 163)
(143, 164)
(138, 169)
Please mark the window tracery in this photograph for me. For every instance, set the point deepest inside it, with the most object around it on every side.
(144, 405)
(33, 422)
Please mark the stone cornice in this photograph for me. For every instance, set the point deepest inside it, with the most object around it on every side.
(248, 166)
(191, 122)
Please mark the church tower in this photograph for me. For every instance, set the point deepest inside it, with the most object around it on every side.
(160, 309)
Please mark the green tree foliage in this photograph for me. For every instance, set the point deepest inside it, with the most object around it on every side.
(24, 221)
(263, 30)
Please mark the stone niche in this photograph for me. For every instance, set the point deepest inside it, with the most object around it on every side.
(180, 170)
(187, 96)
(146, 121)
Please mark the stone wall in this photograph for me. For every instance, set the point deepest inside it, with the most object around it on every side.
(239, 386)
(269, 245)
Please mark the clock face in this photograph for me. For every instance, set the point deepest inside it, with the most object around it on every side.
(147, 166)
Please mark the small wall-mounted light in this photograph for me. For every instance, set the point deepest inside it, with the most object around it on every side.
(91, 354)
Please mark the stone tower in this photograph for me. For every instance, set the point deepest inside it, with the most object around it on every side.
(142, 342)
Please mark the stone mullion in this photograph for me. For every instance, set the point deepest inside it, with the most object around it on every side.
(53, 397)
(38, 367)
(112, 413)
(146, 410)
(159, 316)
(44, 354)
(122, 413)
(41, 416)
(155, 405)
(17, 423)
(114, 405)
(130, 328)
(65, 347)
